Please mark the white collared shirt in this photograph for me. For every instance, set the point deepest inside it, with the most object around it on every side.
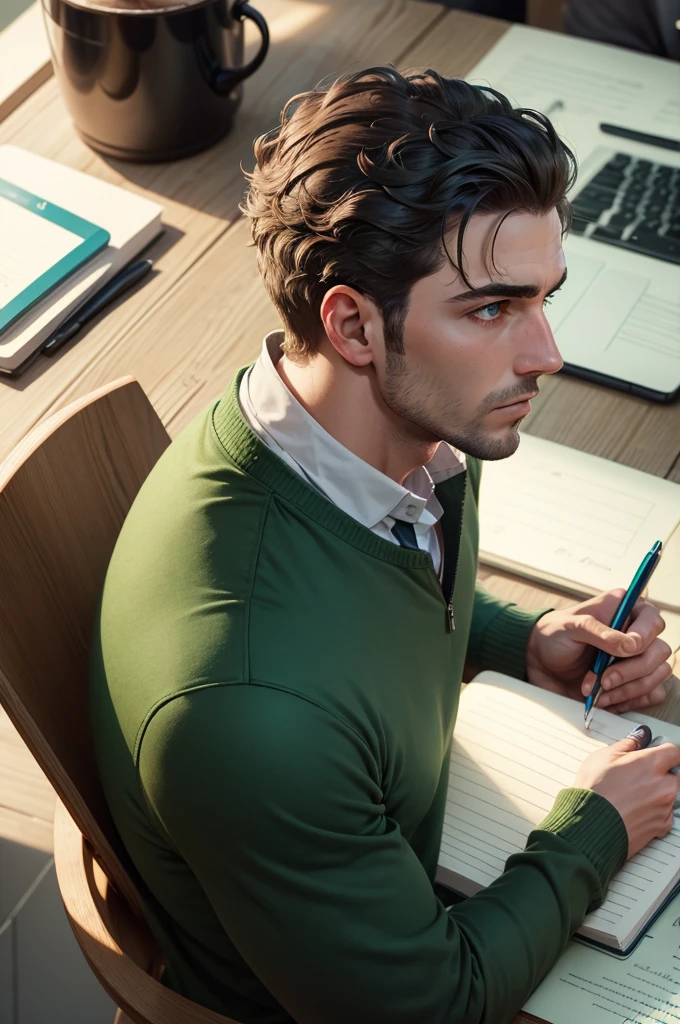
(360, 490)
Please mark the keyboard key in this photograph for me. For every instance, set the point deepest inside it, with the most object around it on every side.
(631, 200)
(578, 225)
(635, 191)
(605, 180)
(587, 210)
(609, 176)
(620, 220)
(599, 196)
(604, 234)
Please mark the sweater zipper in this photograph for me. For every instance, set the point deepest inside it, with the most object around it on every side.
(450, 616)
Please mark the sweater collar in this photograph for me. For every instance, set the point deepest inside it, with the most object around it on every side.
(356, 487)
(250, 454)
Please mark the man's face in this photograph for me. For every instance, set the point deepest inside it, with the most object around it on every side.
(465, 357)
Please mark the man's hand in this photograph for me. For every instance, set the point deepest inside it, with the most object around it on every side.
(638, 783)
(560, 652)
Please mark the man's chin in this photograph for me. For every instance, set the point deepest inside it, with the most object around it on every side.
(491, 445)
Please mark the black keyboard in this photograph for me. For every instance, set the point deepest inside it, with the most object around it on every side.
(634, 204)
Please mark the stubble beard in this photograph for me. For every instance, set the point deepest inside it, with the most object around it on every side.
(433, 410)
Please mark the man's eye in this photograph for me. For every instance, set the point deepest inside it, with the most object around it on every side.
(489, 312)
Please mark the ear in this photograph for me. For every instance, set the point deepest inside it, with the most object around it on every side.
(352, 323)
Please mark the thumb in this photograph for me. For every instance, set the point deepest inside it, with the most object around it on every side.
(587, 629)
(637, 739)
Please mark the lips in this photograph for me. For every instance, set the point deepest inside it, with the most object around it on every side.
(518, 401)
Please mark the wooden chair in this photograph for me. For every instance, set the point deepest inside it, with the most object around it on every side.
(64, 493)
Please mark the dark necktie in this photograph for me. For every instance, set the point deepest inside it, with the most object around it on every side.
(405, 534)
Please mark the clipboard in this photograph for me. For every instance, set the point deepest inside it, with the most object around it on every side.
(41, 244)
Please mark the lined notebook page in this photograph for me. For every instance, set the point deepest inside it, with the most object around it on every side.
(511, 755)
(585, 523)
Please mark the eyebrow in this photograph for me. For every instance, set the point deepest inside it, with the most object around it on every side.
(506, 291)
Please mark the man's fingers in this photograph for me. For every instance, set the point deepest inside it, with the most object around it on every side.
(644, 627)
(637, 739)
(643, 664)
(647, 700)
(646, 620)
(666, 756)
(667, 826)
(589, 630)
(636, 689)
(588, 683)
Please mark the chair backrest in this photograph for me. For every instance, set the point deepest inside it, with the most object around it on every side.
(64, 493)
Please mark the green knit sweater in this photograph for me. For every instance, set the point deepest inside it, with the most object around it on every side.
(273, 690)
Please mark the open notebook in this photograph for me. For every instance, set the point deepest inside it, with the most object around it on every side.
(514, 748)
(577, 521)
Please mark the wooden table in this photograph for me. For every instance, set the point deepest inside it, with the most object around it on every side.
(204, 311)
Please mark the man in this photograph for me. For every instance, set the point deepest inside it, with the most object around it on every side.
(277, 661)
(652, 26)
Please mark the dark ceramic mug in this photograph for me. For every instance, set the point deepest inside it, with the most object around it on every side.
(151, 79)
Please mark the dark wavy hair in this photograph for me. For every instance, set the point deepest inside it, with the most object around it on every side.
(362, 180)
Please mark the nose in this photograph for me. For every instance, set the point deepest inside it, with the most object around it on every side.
(538, 353)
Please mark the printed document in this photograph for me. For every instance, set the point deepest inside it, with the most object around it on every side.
(594, 987)
(577, 521)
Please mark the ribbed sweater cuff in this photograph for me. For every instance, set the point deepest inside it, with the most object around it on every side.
(592, 824)
(503, 643)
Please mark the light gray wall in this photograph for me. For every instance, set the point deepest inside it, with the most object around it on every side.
(10, 9)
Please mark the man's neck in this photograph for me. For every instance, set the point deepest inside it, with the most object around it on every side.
(346, 401)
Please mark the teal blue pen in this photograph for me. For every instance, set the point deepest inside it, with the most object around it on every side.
(602, 659)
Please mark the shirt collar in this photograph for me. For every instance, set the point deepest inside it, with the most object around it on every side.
(357, 488)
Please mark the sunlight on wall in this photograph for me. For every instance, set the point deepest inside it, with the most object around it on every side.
(11, 9)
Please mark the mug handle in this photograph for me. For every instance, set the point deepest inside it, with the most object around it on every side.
(225, 80)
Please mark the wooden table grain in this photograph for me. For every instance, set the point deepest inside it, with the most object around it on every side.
(203, 312)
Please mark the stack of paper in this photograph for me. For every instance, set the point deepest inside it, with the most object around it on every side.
(131, 221)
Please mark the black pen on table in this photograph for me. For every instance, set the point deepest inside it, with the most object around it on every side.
(602, 659)
(650, 140)
(117, 286)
